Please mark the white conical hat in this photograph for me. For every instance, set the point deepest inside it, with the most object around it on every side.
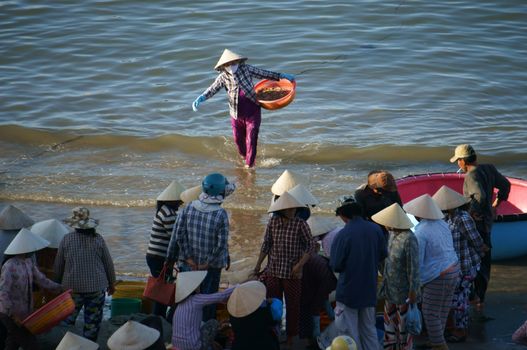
(286, 201)
(25, 241)
(446, 198)
(133, 336)
(172, 192)
(302, 194)
(12, 218)
(51, 230)
(187, 282)
(287, 181)
(246, 298)
(393, 217)
(424, 207)
(319, 225)
(72, 341)
(228, 56)
(191, 194)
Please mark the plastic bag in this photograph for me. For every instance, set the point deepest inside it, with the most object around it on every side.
(414, 320)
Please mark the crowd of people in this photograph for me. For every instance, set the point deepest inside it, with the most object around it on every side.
(437, 265)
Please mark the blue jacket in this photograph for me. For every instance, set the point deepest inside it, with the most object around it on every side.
(355, 254)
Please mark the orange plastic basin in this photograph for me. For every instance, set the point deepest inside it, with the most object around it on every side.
(282, 84)
(51, 314)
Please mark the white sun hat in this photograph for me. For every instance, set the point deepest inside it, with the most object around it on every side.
(228, 56)
(446, 198)
(25, 242)
(12, 218)
(393, 217)
(187, 282)
(287, 181)
(302, 194)
(133, 336)
(172, 192)
(72, 341)
(286, 201)
(319, 225)
(51, 230)
(191, 194)
(424, 207)
(246, 298)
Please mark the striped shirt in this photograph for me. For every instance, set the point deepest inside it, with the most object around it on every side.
(467, 240)
(186, 333)
(285, 242)
(241, 79)
(161, 231)
(83, 263)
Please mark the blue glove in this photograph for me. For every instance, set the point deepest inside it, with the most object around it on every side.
(196, 103)
(289, 77)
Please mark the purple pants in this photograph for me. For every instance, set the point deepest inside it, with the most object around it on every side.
(246, 127)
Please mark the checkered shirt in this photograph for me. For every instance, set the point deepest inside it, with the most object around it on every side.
(202, 236)
(83, 263)
(285, 242)
(467, 240)
(242, 78)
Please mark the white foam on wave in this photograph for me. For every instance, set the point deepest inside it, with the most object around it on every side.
(269, 162)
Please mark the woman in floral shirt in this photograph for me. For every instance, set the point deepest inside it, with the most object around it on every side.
(401, 276)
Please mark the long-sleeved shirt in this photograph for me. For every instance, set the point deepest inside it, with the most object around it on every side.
(83, 263)
(187, 319)
(241, 79)
(436, 248)
(161, 231)
(285, 242)
(467, 240)
(355, 254)
(201, 233)
(16, 286)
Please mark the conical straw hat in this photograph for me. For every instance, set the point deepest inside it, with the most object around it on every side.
(172, 192)
(246, 298)
(51, 230)
(302, 194)
(12, 218)
(319, 226)
(393, 217)
(286, 201)
(25, 242)
(191, 194)
(133, 336)
(187, 282)
(287, 181)
(424, 207)
(228, 56)
(72, 341)
(446, 198)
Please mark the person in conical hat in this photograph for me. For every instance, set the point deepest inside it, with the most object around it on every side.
(167, 205)
(285, 232)
(19, 274)
(52, 230)
(438, 265)
(12, 220)
(237, 78)
(287, 180)
(72, 341)
(303, 195)
(133, 336)
(188, 331)
(401, 284)
(469, 248)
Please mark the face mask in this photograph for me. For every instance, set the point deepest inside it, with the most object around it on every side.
(232, 68)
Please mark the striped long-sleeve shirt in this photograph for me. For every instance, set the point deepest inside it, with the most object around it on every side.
(161, 231)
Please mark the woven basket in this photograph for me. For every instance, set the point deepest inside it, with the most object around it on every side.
(51, 314)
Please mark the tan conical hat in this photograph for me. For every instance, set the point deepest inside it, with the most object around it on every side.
(286, 201)
(393, 217)
(172, 192)
(424, 207)
(287, 181)
(446, 198)
(72, 341)
(25, 241)
(12, 218)
(187, 282)
(228, 56)
(246, 298)
(191, 194)
(133, 336)
(51, 230)
(319, 225)
(302, 194)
